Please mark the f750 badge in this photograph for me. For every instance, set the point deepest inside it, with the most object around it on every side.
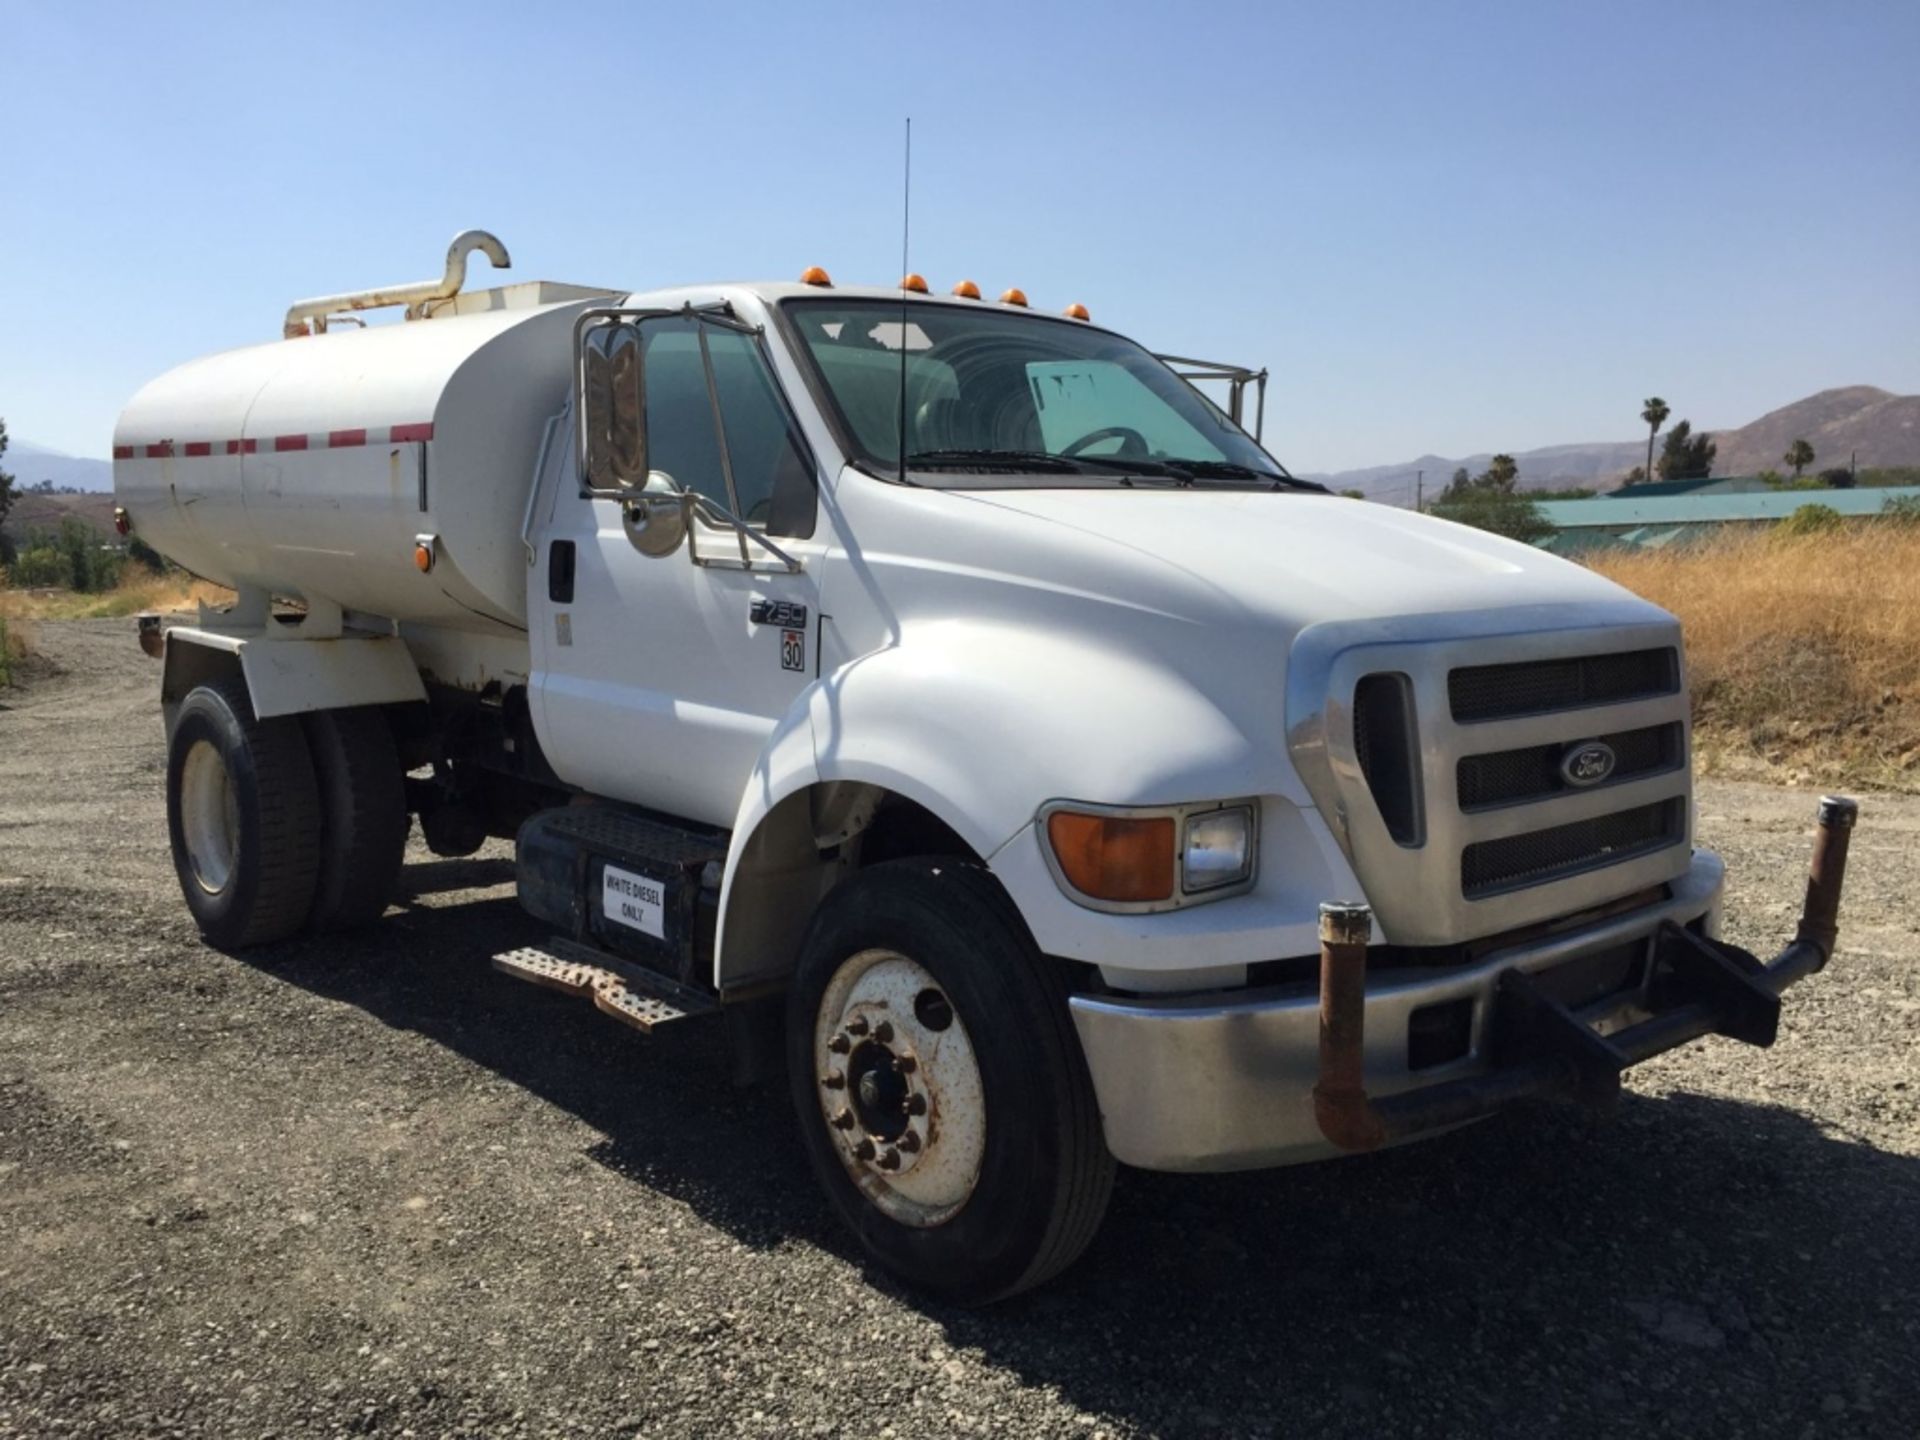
(785, 613)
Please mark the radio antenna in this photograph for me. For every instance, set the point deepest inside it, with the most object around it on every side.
(906, 232)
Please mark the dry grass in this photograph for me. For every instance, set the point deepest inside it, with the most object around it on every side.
(1804, 653)
(16, 644)
(136, 591)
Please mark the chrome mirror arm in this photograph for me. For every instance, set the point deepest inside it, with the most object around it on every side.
(697, 503)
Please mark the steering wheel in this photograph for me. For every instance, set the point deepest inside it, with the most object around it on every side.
(1132, 442)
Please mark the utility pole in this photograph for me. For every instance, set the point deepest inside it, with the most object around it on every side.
(1419, 485)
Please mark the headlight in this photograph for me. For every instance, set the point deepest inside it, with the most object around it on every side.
(1153, 857)
(1217, 849)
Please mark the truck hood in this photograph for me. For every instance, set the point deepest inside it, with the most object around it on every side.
(1291, 558)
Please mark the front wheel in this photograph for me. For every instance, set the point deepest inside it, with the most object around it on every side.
(941, 1091)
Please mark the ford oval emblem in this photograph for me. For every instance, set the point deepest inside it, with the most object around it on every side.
(1588, 763)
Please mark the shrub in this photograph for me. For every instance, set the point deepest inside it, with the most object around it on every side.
(1815, 519)
(71, 558)
(1901, 509)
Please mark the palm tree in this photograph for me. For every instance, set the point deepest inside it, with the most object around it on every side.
(1655, 413)
(1799, 455)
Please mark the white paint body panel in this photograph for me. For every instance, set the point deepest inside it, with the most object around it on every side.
(294, 676)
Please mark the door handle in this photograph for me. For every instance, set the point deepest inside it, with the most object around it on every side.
(560, 572)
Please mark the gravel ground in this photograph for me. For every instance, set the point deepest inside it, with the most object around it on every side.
(368, 1187)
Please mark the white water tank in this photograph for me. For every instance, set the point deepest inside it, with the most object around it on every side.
(308, 466)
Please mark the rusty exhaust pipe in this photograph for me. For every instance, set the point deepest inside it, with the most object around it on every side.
(1819, 929)
(1340, 1104)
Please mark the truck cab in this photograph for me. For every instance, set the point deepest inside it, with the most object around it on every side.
(959, 685)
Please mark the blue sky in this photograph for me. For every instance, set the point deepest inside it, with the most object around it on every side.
(1445, 228)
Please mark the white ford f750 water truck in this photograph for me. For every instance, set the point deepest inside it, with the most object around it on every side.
(960, 679)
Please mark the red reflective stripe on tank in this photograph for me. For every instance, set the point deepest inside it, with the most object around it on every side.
(162, 451)
(242, 447)
(402, 434)
(345, 439)
(289, 442)
(199, 447)
(123, 452)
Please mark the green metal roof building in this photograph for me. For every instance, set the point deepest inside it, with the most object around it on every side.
(1655, 520)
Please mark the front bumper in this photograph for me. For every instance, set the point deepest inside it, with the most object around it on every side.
(1227, 1081)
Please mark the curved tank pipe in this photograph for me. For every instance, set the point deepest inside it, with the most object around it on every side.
(416, 296)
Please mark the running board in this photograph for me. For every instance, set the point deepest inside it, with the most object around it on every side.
(626, 992)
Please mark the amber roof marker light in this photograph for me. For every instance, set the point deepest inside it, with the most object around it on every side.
(916, 283)
(1014, 295)
(1076, 311)
(967, 290)
(816, 275)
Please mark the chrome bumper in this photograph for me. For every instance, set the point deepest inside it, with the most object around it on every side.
(1225, 1081)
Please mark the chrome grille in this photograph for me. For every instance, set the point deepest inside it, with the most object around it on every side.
(1433, 745)
(1540, 687)
(1508, 776)
(1538, 856)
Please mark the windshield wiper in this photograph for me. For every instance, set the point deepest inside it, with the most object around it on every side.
(1232, 470)
(997, 460)
(1110, 467)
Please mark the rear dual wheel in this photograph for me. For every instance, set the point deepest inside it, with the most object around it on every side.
(278, 825)
(943, 1097)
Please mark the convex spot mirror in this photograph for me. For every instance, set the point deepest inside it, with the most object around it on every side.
(656, 515)
(614, 406)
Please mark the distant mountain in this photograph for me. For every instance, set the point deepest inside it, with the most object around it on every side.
(1882, 427)
(1553, 467)
(30, 464)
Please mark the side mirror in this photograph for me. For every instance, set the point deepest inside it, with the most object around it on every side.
(656, 516)
(613, 407)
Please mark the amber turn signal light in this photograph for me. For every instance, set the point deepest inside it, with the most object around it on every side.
(423, 557)
(1114, 857)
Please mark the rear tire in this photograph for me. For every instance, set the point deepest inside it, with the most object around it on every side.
(243, 815)
(978, 1168)
(363, 816)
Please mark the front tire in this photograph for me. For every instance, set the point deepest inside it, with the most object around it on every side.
(941, 1091)
(243, 815)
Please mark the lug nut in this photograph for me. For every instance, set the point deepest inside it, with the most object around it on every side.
(864, 1149)
(857, 1025)
(834, 1080)
(916, 1105)
(905, 1064)
(839, 1045)
(843, 1121)
(883, 1032)
(890, 1160)
(910, 1142)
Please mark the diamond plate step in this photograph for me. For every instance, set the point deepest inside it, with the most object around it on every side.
(626, 992)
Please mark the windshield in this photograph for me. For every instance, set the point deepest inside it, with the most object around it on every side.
(994, 397)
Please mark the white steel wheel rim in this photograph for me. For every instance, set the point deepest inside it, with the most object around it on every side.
(900, 1088)
(209, 817)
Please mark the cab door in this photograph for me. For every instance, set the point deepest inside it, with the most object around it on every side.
(659, 679)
